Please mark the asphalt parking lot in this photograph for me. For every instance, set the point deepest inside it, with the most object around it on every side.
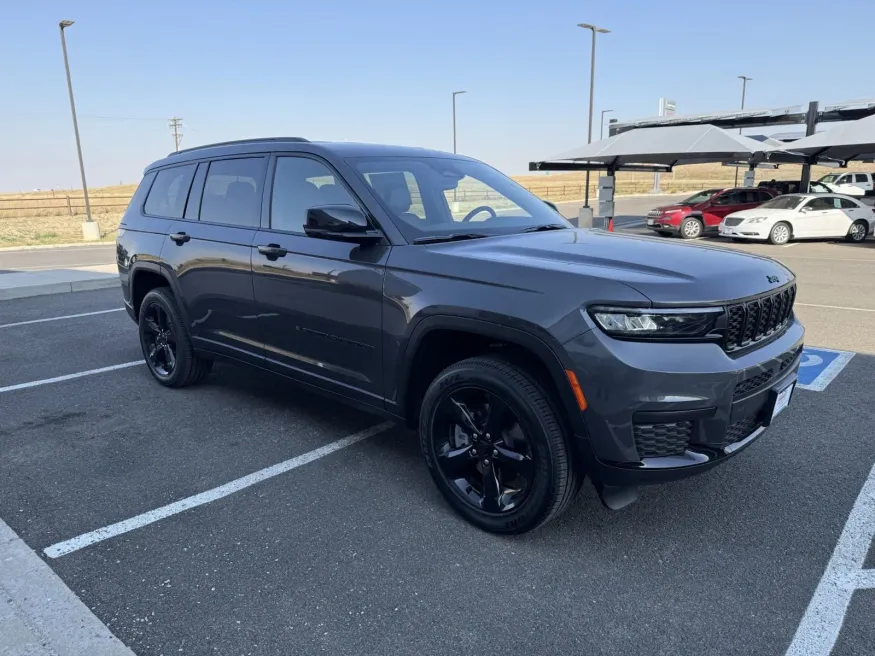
(353, 551)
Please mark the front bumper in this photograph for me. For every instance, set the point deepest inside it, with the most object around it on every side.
(659, 412)
(743, 231)
(662, 224)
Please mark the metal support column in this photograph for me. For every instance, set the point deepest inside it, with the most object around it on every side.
(810, 125)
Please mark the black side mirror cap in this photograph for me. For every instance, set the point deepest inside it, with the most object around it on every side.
(340, 223)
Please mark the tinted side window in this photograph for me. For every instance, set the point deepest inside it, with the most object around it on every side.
(861, 177)
(762, 197)
(820, 204)
(300, 183)
(169, 191)
(232, 192)
(848, 204)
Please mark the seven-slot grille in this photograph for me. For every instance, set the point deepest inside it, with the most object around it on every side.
(732, 222)
(755, 320)
(652, 214)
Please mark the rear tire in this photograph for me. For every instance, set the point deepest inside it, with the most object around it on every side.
(691, 229)
(858, 231)
(780, 233)
(166, 344)
(525, 458)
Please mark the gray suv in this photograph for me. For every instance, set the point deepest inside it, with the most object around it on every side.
(431, 288)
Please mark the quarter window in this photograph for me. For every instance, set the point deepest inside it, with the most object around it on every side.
(299, 184)
(232, 192)
(169, 191)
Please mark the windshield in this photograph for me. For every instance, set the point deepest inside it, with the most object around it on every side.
(831, 177)
(789, 202)
(433, 196)
(699, 197)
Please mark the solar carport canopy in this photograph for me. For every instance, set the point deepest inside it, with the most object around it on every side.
(851, 140)
(663, 146)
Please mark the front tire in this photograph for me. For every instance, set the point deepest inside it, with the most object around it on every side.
(691, 229)
(858, 231)
(780, 233)
(166, 343)
(495, 447)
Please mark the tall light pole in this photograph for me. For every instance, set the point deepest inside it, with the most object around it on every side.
(62, 25)
(744, 79)
(602, 128)
(600, 30)
(455, 93)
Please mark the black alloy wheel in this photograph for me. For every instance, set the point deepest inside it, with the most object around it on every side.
(495, 446)
(166, 344)
(159, 340)
(482, 449)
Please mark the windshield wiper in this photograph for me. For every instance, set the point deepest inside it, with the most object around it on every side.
(545, 227)
(456, 236)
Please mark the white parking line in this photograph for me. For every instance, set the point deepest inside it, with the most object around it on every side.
(822, 622)
(66, 316)
(61, 379)
(828, 307)
(113, 530)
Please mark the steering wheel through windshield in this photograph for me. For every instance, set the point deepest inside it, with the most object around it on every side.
(483, 208)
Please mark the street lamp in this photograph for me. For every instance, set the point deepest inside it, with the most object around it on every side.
(744, 79)
(63, 24)
(455, 93)
(601, 30)
(602, 128)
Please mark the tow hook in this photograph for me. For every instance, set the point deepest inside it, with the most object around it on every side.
(617, 497)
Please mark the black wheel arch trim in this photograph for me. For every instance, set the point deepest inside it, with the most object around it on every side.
(165, 272)
(547, 354)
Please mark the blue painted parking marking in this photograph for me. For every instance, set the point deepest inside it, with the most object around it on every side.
(820, 366)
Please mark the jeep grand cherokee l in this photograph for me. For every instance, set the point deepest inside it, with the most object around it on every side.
(701, 213)
(527, 353)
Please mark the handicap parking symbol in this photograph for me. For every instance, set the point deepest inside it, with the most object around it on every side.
(819, 366)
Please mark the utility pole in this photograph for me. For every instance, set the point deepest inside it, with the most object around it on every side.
(744, 79)
(175, 124)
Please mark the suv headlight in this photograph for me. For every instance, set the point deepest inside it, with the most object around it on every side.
(681, 323)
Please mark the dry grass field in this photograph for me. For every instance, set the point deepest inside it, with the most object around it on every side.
(46, 217)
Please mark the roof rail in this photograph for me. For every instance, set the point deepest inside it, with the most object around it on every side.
(239, 141)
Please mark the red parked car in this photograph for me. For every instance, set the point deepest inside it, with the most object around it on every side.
(702, 212)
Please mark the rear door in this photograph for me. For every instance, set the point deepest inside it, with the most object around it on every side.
(210, 251)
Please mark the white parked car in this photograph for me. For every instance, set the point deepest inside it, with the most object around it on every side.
(852, 184)
(802, 216)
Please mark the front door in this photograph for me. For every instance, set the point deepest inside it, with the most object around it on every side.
(319, 301)
(210, 251)
(817, 218)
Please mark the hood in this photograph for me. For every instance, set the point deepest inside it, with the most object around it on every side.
(672, 208)
(756, 211)
(664, 272)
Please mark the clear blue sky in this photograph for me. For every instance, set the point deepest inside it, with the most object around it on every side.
(383, 71)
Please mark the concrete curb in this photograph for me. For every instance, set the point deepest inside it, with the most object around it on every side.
(39, 614)
(35, 247)
(57, 288)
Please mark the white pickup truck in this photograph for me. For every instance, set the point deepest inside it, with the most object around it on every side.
(852, 184)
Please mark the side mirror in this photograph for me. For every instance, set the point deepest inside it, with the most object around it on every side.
(340, 223)
(553, 205)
